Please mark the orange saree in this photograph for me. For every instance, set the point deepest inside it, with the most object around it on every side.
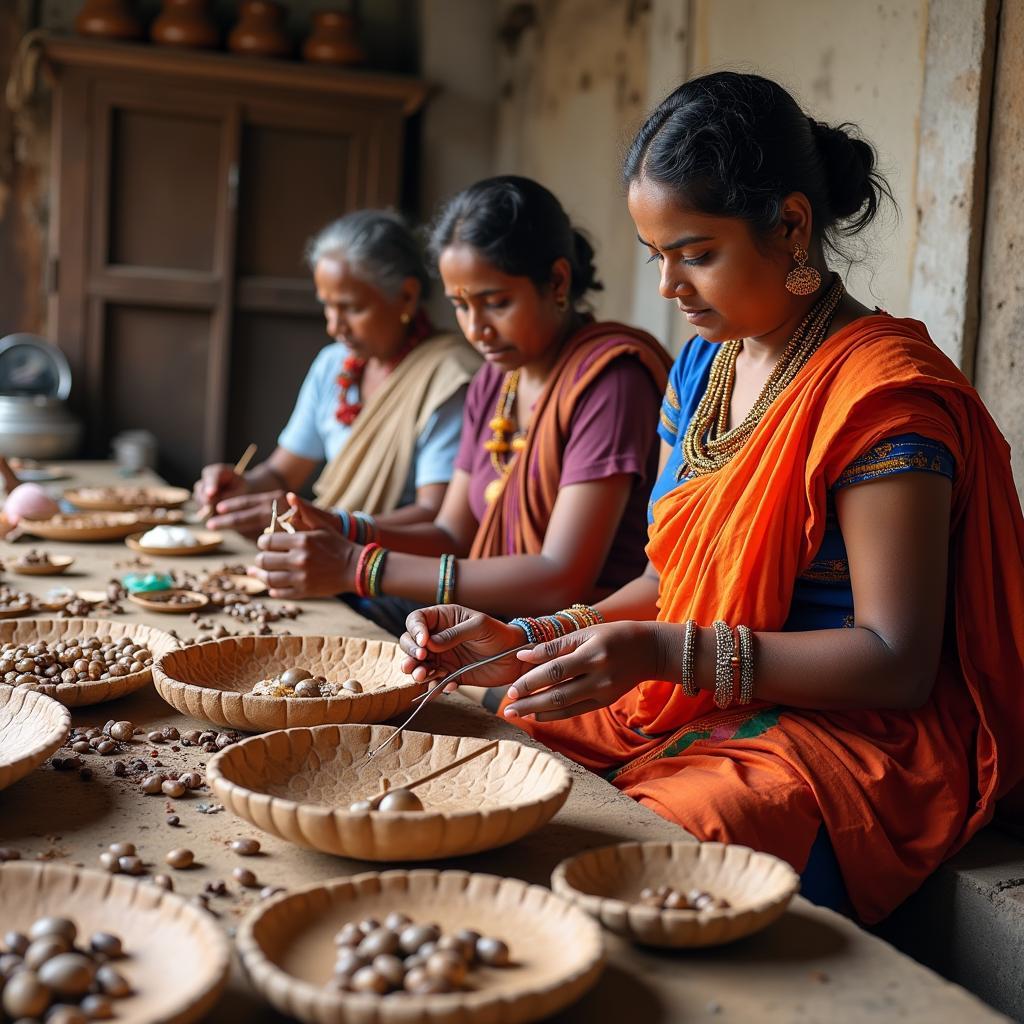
(899, 791)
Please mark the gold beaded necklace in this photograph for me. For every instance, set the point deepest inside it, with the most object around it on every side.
(708, 444)
(499, 444)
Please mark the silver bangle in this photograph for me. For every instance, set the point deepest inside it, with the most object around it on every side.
(724, 651)
(689, 658)
(746, 664)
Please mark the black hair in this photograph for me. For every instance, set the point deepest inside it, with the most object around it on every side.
(735, 145)
(518, 226)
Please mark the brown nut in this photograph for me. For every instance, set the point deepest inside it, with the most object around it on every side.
(415, 935)
(152, 784)
(292, 676)
(390, 968)
(122, 731)
(25, 995)
(180, 859)
(492, 952)
(45, 949)
(380, 940)
(245, 847)
(245, 877)
(112, 982)
(172, 788)
(16, 943)
(447, 966)
(367, 979)
(400, 800)
(69, 974)
(107, 944)
(130, 866)
(48, 927)
(97, 1007)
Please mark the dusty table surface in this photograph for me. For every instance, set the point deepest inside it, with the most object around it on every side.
(812, 965)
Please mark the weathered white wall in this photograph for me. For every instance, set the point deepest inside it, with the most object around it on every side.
(573, 85)
(844, 60)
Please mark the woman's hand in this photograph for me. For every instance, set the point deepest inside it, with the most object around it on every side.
(309, 517)
(247, 514)
(587, 670)
(440, 639)
(216, 482)
(312, 563)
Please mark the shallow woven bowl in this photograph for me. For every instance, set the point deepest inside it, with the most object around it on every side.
(286, 945)
(299, 783)
(32, 727)
(119, 498)
(212, 680)
(106, 526)
(606, 882)
(28, 631)
(208, 542)
(177, 955)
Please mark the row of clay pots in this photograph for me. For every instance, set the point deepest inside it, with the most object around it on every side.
(259, 32)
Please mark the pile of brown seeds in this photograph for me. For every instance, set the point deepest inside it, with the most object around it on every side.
(44, 972)
(15, 600)
(667, 898)
(300, 682)
(32, 557)
(399, 955)
(42, 665)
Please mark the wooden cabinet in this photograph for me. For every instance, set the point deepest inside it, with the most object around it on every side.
(185, 187)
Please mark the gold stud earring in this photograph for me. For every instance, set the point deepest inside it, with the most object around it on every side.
(405, 318)
(561, 303)
(802, 279)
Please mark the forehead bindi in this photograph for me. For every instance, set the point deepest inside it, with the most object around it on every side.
(468, 275)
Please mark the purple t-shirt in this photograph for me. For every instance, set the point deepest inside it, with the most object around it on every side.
(613, 430)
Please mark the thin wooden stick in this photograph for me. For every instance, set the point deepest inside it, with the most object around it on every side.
(272, 528)
(287, 515)
(240, 467)
(374, 801)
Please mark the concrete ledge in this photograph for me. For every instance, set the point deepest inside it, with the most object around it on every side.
(967, 921)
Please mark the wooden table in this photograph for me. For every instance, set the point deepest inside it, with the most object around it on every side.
(813, 965)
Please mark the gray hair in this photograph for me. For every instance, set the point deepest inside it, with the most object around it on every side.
(379, 247)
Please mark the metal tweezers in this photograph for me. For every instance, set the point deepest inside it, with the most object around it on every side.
(439, 686)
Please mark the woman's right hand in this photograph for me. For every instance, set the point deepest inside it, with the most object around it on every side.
(217, 482)
(444, 637)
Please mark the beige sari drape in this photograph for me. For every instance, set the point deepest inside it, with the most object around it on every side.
(370, 471)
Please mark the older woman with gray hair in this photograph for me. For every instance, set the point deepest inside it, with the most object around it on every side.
(381, 405)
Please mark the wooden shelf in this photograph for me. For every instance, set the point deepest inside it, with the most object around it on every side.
(218, 66)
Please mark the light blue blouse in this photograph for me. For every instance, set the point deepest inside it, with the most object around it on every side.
(314, 432)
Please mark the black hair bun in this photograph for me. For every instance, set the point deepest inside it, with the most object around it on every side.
(850, 171)
(584, 270)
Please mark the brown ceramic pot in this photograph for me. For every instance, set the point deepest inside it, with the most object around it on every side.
(260, 30)
(333, 40)
(185, 23)
(109, 19)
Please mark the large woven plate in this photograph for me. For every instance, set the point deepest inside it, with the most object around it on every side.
(32, 727)
(177, 956)
(82, 526)
(606, 882)
(299, 783)
(77, 694)
(126, 498)
(212, 680)
(287, 947)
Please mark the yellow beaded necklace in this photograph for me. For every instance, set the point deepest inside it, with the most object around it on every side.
(499, 444)
(708, 444)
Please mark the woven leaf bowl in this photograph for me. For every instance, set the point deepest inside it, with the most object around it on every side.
(177, 956)
(32, 727)
(298, 784)
(606, 882)
(212, 681)
(30, 631)
(286, 946)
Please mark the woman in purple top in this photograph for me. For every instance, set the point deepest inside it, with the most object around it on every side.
(559, 444)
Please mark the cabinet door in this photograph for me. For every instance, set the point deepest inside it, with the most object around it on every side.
(301, 165)
(158, 262)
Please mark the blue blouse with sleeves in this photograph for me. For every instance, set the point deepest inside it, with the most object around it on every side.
(313, 431)
(822, 595)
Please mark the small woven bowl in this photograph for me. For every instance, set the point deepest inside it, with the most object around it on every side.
(299, 783)
(29, 631)
(287, 948)
(212, 681)
(32, 727)
(606, 882)
(176, 955)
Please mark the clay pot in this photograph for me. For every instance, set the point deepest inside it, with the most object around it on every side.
(333, 40)
(260, 30)
(108, 19)
(185, 23)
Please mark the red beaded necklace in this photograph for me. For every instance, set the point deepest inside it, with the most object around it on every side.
(353, 367)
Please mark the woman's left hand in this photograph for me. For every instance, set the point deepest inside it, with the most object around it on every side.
(587, 670)
(311, 563)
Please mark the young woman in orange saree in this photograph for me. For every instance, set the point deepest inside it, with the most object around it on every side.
(827, 650)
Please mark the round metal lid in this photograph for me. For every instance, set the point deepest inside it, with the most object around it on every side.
(30, 365)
